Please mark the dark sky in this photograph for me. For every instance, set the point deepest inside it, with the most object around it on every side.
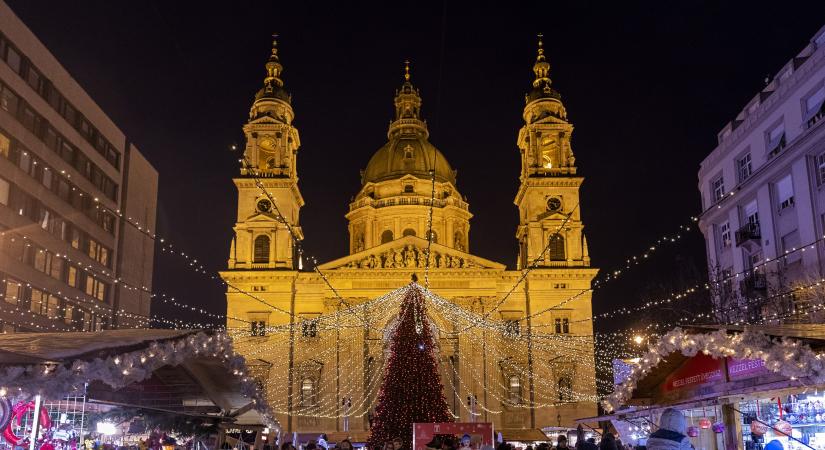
(647, 85)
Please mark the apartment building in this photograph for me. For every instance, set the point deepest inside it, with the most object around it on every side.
(763, 196)
(76, 200)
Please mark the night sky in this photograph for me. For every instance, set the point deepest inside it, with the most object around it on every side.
(647, 86)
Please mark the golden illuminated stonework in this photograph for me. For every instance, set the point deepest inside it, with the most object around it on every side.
(310, 372)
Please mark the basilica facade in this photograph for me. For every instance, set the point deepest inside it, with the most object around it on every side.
(320, 377)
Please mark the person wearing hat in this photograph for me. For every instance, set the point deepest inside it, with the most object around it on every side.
(671, 433)
(465, 442)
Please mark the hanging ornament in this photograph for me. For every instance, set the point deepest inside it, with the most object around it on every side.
(19, 411)
(784, 427)
(758, 428)
(693, 431)
(704, 422)
(718, 427)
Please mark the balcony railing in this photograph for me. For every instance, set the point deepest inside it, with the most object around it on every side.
(754, 281)
(749, 232)
(403, 200)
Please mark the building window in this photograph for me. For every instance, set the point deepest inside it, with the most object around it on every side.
(565, 386)
(515, 390)
(717, 188)
(744, 167)
(562, 325)
(309, 328)
(4, 192)
(409, 189)
(790, 247)
(512, 328)
(784, 192)
(261, 249)
(431, 235)
(775, 140)
(458, 241)
(724, 234)
(751, 213)
(820, 168)
(814, 107)
(307, 393)
(408, 232)
(386, 236)
(556, 248)
(257, 328)
(13, 291)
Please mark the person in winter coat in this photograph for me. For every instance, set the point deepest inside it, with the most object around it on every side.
(774, 445)
(671, 433)
(608, 442)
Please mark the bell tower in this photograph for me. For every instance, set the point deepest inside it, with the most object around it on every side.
(548, 197)
(262, 232)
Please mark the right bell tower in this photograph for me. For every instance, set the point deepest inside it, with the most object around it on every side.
(548, 197)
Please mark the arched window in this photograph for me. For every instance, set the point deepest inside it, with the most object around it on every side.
(261, 254)
(409, 232)
(307, 393)
(556, 248)
(458, 241)
(515, 390)
(432, 234)
(386, 236)
(565, 389)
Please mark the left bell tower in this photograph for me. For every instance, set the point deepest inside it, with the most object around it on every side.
(262, 237)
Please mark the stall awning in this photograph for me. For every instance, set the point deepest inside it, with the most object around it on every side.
(189, 372)
(522, 434)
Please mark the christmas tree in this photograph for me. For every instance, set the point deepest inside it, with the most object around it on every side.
(412, 390)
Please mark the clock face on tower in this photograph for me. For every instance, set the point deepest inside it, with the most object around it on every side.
(267, 144)
(553, 204)
(264, 205)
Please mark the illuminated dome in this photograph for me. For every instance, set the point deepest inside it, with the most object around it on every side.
(408, 151)
(408, 155)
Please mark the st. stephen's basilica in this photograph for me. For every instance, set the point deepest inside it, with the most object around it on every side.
(322, 375)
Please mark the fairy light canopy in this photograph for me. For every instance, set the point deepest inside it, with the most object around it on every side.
(122, 366)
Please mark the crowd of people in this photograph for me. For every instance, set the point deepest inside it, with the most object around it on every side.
(671, 435)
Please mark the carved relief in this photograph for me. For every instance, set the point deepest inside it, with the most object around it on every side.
(411, 257)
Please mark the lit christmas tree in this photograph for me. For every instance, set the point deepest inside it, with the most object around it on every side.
(412, 390)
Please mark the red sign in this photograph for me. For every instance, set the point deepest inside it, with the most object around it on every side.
(696, 371)
(480, 433)
(740, 369)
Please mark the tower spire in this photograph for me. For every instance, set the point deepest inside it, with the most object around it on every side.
(541, 68)
(273, 65)
(407, 107)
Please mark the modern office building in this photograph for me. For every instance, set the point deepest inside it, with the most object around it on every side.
(76, 199)
(763, 196)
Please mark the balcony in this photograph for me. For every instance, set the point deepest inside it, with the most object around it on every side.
(754, 282)
(748, 234)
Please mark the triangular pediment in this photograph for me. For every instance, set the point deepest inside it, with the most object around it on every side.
(409, 253)
(267, 119)
(261, 217)
(551, 215)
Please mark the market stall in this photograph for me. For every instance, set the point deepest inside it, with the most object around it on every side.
(121, 388)
(737, 387)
